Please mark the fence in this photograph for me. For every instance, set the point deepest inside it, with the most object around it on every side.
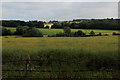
(47, 70)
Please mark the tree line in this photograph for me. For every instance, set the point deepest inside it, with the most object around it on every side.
(26, 31)
(16, 23)
(67, 33)
(106, 24)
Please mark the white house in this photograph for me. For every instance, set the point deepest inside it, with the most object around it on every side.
(48, 25)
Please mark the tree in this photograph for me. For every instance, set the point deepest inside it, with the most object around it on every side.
(92, 33)
(20, 30)
(32, 32)
(56, 25)
(74, 26)
(79, 33)
(67, 31)
(40, 24)
(100, 34)
(6, 31)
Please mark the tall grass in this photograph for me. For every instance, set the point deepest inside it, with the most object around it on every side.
(69, 54)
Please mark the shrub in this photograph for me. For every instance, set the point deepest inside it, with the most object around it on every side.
(32, 32)
(99, 34)
(114, 33)
(92, 33)
(67, 31)
(79, 33)
(60, 35)
(20, 30)
(6, 31)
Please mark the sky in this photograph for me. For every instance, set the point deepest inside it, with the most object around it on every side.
(45, 11)
(60, 0)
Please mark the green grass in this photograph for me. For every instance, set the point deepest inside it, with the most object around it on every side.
(54, 31)
(80, 53)
(11, 28)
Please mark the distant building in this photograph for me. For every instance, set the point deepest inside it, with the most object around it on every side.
(48, 25)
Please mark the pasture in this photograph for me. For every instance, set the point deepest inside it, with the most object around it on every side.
(95, 55)
(54, 31)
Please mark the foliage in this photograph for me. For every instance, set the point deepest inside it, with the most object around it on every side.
(32, 32)
(105, 24)
(16, 23)
(28, 31)
(114, 33)
(92, 33)
(60, 35)
(100, 34)
(37, 24)
(56, 31)
(67, 31)
(79, 33)
(108, 24)
(20, 30)
(6, 31)
(57, 25)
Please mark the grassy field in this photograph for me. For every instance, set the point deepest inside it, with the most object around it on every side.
(65, 54)
(54, 31)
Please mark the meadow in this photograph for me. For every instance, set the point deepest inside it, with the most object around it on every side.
(54, 31)
(65, 56)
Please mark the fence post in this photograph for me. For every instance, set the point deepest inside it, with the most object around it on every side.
(59, 69)
(27, 68)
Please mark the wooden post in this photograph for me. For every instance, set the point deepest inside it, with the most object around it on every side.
(27, 66)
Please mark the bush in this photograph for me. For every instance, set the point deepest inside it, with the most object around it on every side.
(79, 33)
(6, 31)
(32, 32)
(114, 33)
(60, 35)
(92, 33)
(20, 30)
(99, 34)
(71, 34)
(67, 31)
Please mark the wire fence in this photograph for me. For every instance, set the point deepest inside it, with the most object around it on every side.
(43, 69)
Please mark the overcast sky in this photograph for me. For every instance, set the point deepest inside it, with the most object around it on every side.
(46, 11)
(60, 0)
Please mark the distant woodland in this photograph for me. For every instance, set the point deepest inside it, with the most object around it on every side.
(105, 24)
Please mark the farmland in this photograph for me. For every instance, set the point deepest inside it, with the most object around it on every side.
(54, 31)
(96, 54)
(60, 41)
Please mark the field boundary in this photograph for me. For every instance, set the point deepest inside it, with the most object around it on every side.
(28, 70)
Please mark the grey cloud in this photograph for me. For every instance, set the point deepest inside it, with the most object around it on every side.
(58, 11)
